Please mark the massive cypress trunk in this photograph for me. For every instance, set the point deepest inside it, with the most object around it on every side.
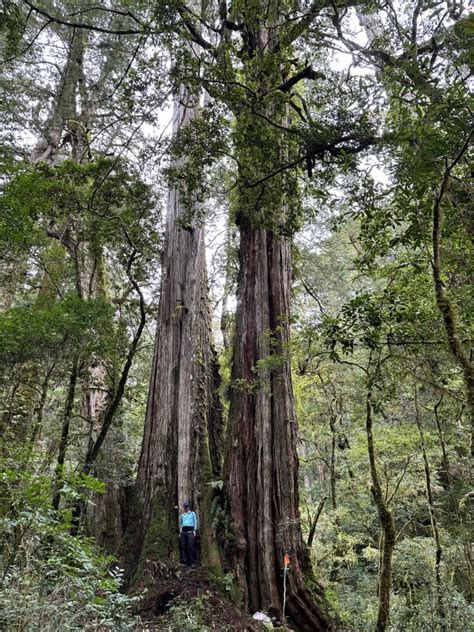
(263, 463)
(180, 449)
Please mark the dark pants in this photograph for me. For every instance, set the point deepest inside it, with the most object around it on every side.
(187, 547)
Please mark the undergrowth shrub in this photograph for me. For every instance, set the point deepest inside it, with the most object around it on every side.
(50, 579)
(188, 616)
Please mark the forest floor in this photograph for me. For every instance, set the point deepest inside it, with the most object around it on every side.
(189, 599)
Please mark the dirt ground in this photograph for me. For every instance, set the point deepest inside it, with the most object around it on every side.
(165, 604)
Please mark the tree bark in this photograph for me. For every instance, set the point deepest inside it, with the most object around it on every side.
(63, 113)
(262, 461)
(180, 453)
(443, 301)
(38, 423)
(63, 444)
(446, 466)
(433, 519)
(313, 521)
(388, 536)
(262, 486)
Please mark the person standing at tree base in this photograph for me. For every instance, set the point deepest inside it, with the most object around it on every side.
(188, 527)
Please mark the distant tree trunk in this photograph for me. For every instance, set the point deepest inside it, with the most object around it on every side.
(113, 403)
(387, 525)
(332, 425)
(228, 288)
(38, 423)
(446, 466)
(64, 105)
(32, 381)
(445, 305)
(68, 124)
(313, 521)
(64, 441)
(180, 453)
(433, 519)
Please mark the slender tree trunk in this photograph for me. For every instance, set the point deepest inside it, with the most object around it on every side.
(446, 466)
(433, 519)
(63, 444)
(113, 404)
(332, 425)
(313, 521)
(180, 453)
(443, 301)
(38, 423)
(388, 535)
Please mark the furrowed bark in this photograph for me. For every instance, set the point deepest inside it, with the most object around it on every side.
(180, 454)
(263, 465)
(262, 462)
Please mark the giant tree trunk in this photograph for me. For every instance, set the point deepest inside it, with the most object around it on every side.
(263, 464)
(32, 391)
(180, 449)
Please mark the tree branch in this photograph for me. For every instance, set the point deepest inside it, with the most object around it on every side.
(83, 25)
(306, 73)
(195, 35)
(305, 22)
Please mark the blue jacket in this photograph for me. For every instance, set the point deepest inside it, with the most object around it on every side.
(188, 519)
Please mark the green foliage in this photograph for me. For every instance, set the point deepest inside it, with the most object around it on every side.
(188, 616)
(198, 147)
(228, 584)
(12, 19)
(28, 333)
(103, 201)
(368, 269)
(390, 312)
(51, 579)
